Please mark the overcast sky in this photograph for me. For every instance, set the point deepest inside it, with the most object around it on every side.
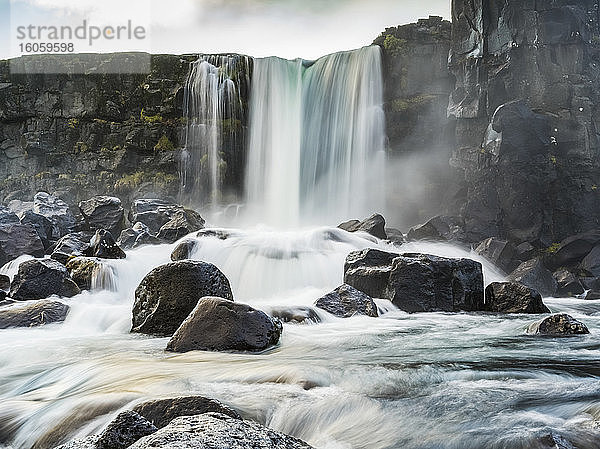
(287, 28)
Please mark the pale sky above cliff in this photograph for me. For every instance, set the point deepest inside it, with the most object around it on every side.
(286, 28)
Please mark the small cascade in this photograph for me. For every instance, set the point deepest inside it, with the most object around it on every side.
(104, 277)
(214, 112)
(317, 136)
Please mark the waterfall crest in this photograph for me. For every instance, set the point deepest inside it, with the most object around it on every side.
(316, 144)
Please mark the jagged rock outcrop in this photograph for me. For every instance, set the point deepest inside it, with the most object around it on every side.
(526, 110)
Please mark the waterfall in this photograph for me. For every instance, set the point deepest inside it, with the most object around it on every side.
(316, 145)
(214, 111)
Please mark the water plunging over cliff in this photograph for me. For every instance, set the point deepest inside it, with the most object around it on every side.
(213, 109)
(316, 141)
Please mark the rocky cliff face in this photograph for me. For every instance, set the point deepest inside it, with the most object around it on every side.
(526, 109)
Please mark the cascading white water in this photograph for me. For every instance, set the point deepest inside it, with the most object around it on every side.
(213, 106)
(316, 145)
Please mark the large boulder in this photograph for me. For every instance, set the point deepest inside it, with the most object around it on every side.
(534, 274)
(215, 430)
(32, 313)
(17, 239)
(71, 245)
(169, 293)
(218, 324)
(155, 213)
(55, 210)
(346, 301)
(161, 412)
(512, 297)
(374, 225)
(7, 216)
(103, 245)
(500, 252)
(573, 249)
(426, 283)
(182, 223)
(42, 225)
(127, 428)
(558, 325)
(103, 212)
(438, 228)
(136, 236)
(41, 278)
(567, 283)
(591, 263)
(369, 271)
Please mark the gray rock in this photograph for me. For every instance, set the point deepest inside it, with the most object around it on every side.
(17, 239)
(169, 293)
(42, 225)
(533, 274)
(591, 263)
(425, 283)
(567, 283)
(127, 428)
(4, 282)
(297, 315)
(374, 225)
(395, 236)
(161, 412)
(346, 301)
(183, 250)
(55, 210)
(440, 228)
(41, 278)
(214, 430)
(182, 223)
(136, 236)
(558, 325)
(218, 324)
(32, 313)
(103, 245)
(103, 212)
(369, 271)
(7, 216)
(572, 250)
(500, 252)
(69, 246)
(592, 295)
(512, 297)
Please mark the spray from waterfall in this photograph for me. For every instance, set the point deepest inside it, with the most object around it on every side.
(214, 111)
(316, 144)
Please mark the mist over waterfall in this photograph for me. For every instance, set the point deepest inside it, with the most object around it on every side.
(213, 111)
(316, 144)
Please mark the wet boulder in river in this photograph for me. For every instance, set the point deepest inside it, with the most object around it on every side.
(558, 325)
(426, 283)
(346, 301)
(32, 313)
(218, 324)
(168, 294)
(156, 213)
(215, 430)
(41, 278)
(567, 283)
(369, 271)
(17, 239)
(139, 234)
(182, 223)
(184, 250)
(55, 210)
(513, 297)
(374, 225)
(295, 314)
(83, 270)
(103, 212)
(71, 245)
(500, 252)
(161, 412)
(438, 228)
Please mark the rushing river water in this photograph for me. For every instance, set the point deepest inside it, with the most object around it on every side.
(420, 381)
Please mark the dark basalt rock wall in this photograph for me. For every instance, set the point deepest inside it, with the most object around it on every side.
(82, 135)
(526, 110)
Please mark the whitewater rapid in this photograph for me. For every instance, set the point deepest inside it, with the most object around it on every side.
(433, 380)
